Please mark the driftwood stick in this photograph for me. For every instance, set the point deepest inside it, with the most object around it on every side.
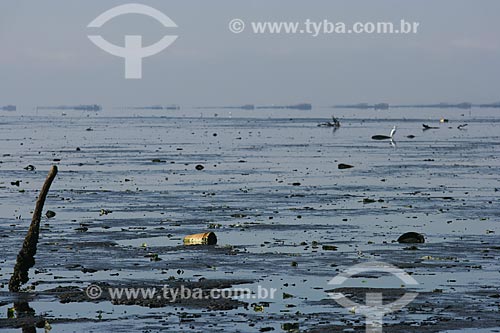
(26, 257)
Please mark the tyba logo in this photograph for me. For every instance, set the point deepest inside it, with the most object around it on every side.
(133, 52)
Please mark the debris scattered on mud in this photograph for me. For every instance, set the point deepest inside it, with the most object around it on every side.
(335, 123)
(427, 127)
(103, 212)
(207, 238)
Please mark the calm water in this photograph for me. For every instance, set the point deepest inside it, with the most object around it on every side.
(141, 166)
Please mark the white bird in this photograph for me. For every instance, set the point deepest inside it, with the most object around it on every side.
(393, 131)
(385, 137)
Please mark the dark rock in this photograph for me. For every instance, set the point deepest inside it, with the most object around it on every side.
(345, 166)
(199, 167)
(290, 327)
(381, 137)
(411, 237)
(50, 214)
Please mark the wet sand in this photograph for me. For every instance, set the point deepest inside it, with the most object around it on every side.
(272, 192)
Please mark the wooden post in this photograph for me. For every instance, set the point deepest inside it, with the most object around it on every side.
(26, 257)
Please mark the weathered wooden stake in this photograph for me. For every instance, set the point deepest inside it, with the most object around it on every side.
(26, 257)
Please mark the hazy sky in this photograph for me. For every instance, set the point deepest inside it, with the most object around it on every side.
(46, 57)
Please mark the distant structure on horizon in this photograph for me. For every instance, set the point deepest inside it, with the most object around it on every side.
(247, 107)
(490, 105)
(301, 106)
(155, 107)
(363, 106)
(8, 108)
(84, 107)
(242, 107)
(464, 105)
(386, 106)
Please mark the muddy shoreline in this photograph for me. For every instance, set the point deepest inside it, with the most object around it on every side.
(285, 215)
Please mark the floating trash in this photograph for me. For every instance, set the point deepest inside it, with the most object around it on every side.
(334, 123)
(427, 127)
(207, 238)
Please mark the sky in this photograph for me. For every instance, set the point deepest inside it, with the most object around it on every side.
(46, 57)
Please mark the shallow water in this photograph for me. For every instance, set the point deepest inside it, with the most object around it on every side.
(443, 183)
